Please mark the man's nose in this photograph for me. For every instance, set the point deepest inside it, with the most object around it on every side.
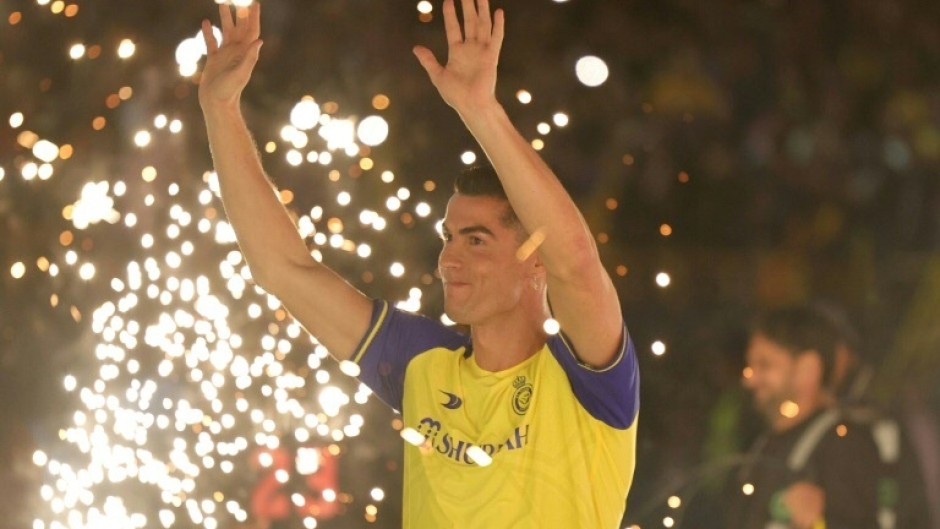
(449, 258)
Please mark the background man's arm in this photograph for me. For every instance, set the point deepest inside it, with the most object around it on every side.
(584, 300)
(326, 305)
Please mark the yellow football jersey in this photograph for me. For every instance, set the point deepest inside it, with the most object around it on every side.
(547, 443)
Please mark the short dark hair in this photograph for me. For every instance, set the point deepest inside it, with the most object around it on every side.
(800, 329)
(482, 181)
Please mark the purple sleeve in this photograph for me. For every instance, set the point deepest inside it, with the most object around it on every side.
(393, 339)
(611, 395)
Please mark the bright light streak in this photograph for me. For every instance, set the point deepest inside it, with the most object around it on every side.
(479, 456)
(126, 49)
(663, 279)
(18, 270)
(373, 130)
(305, 115)
(45, 150)
(560, 119)
(299, 139)
(190, 50)
(349, 368)
(29, 171)
(308, 461)
(142, 138)
(551, 326)
(77, 51)
(295, 158)
(94, 206)
(412, 436)
(339, 134)
(332, 399)
(659, 348)
(87, 271)
(591, 71)
(468, 157)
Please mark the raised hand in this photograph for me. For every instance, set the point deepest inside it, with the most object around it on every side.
(469, 78)
(229, 66)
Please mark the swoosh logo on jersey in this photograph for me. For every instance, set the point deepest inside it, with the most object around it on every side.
(453, 401)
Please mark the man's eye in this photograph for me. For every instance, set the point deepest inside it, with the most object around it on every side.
(475, 241)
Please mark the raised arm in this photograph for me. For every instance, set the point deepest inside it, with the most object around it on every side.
(582, 295)
(326, 305)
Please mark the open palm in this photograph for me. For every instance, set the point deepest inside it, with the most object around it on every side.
(469, 78)
(229, 66)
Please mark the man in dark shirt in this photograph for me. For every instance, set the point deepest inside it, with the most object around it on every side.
(812, 468)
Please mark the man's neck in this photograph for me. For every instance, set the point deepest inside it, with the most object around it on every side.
(507, 340)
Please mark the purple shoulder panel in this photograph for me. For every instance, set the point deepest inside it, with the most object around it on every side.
(393, 339)
(611, 395)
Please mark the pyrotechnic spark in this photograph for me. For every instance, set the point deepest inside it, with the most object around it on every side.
(179, 396)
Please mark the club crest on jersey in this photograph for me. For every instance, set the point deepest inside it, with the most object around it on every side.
(522, 397)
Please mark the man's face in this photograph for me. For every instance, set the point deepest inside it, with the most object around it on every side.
(769, 374)
(482, 277)
(776, 375)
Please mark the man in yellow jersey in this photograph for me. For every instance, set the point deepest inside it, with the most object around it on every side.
(512, 426)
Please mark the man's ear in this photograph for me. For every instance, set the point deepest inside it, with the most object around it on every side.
(808, 368)
(536, 273)
(538, 266)
(537, 262)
